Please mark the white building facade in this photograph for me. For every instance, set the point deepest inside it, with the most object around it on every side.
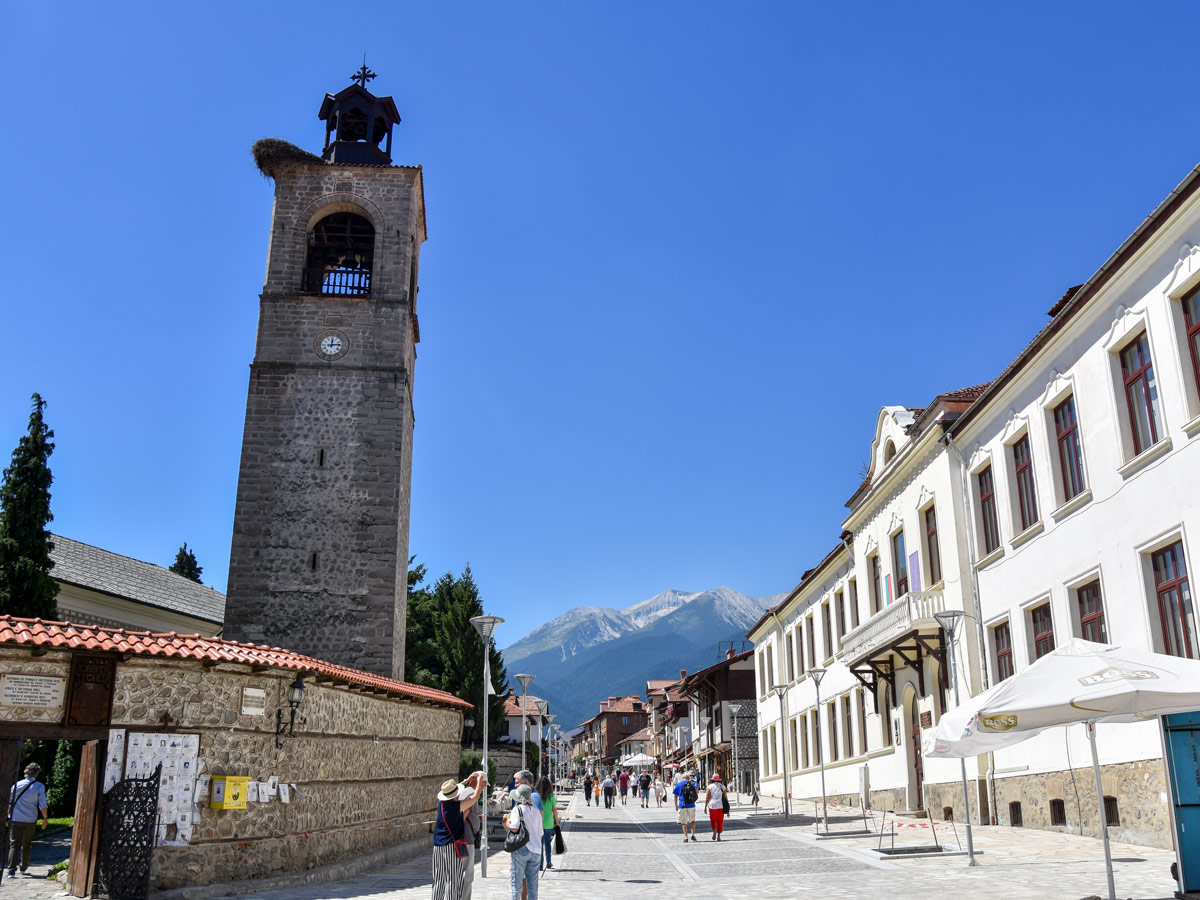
(1057, 501)
(1083, 467)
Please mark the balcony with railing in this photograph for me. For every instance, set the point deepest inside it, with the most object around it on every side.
(912, 612)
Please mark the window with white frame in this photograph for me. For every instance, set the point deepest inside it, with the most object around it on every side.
(1190, 304)
(989, 524)
(1069, 450)
(852, 588)
(831, 710)
(1002, 650)
(788, 649)
(899, 564)
(1023, 482)
(1090, 607)
(1141, 393)
(1042, 628)
(877, 598)
(1173, 596)
(933, 554)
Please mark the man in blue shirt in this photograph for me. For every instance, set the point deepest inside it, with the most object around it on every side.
(685, 803)
(24, 800)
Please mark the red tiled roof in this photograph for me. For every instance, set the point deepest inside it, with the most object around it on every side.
(625, 705)
(967, 393)
(512, 704)
(643, 735)
(66, 636)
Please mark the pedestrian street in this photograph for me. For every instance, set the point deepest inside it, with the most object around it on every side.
(630, 852)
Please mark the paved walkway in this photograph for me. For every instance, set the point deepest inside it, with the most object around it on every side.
(630, 852)
(48, 850)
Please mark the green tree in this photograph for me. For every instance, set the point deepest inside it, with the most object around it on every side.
(443, 650)
(185, 564)
(63, 782)
(26, 588)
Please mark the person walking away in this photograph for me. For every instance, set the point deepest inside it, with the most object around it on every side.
(26, 798)
(587, 788)
(523, 863)
(525, 777)
(549, 820)
(685, 805)
(644, 783)
(660, 790)
(714, 805)
(473, 832)
(449, 836)
(623, 779)
(610, 791)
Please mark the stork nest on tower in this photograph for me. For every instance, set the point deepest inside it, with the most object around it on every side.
(274, 155)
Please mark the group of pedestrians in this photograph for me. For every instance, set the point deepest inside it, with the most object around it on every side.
(459, 830)
(685, 791)
(644, 787)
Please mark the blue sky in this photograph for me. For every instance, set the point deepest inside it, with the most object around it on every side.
(679, 254)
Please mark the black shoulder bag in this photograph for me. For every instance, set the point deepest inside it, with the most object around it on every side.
(515, 840)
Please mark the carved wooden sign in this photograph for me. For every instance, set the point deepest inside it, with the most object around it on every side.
(90, 695)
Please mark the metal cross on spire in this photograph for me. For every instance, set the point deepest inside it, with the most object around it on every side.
(363, 75)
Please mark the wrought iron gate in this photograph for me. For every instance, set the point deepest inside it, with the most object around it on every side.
(127, 837)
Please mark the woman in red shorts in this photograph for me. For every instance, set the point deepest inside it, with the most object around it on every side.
(714, 805)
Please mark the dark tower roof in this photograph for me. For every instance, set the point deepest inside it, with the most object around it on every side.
(358, 122)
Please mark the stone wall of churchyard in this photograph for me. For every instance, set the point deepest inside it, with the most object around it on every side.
(367, 766)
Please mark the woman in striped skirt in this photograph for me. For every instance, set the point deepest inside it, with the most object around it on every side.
(449, 836)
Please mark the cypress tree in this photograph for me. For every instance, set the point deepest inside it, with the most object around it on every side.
(185, 564)
(26, 588)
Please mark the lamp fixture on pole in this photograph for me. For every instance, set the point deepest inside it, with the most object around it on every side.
(485, 625)
(734, 709)
(949, 619)
(524, 681)
(295, 696)
(817, 674)
(781, 692)
(542, 706)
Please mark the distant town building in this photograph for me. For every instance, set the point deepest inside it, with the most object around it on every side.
(619, 718)
(721, 703)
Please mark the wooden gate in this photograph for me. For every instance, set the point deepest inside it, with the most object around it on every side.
(85, 837)
(10, 761)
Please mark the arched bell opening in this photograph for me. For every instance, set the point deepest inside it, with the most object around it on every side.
(341, 247)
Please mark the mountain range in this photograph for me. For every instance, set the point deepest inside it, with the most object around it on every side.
(590, 653)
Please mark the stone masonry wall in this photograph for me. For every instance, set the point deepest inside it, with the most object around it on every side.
(320, 541)
(368, 765)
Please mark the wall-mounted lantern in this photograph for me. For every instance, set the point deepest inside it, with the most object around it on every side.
(295, 696)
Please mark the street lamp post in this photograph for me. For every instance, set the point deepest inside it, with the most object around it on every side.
(485, 625)
(524, 680)
(949, 620)
(817, 674)
(781, 692)
(734, 709)
(542, 706)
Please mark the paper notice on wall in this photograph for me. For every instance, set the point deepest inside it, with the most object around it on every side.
(203, 784)
(252, 792)
(183, 834)
(285, 796)
(114, 762)
(272, 786)
(296, 792)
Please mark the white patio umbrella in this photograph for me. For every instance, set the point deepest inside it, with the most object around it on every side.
(1080, 681)
(638, 759)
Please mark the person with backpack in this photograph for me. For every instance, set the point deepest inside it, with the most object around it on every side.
(716, 805)
(587, 788)
(25, 800)
(685, 803)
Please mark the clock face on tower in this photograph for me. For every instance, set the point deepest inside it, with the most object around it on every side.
(331, 344)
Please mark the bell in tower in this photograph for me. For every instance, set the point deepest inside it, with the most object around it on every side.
(358, 122)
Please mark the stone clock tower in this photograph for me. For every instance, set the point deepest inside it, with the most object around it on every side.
(319, 560)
